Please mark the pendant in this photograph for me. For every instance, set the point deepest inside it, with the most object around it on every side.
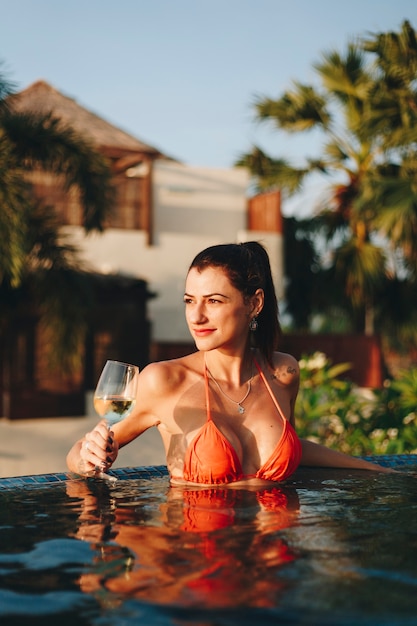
(241, 409)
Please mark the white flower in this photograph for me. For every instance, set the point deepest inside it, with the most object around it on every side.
(316, 362)
(377, 433)
(336, 424)
(353, 418)
(409, 418)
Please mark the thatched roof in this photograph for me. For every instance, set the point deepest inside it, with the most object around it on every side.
(40, 97)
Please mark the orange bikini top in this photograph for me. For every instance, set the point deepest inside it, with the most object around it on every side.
(211, 459)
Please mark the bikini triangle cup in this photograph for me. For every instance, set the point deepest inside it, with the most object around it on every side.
(211, 459)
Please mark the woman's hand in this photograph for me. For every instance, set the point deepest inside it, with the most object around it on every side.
(98, 449)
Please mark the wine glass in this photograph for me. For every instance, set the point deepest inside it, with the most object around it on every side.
(115, 395)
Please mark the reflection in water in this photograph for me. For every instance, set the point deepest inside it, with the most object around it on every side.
(140, 552)
(200, 547)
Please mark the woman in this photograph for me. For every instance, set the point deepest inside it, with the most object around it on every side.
(226, 412)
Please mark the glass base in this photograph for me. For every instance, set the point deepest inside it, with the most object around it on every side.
(98, 474)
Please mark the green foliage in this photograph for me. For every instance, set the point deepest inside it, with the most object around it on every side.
(333, 411)
(363, 106)
(38, 267)
(44, 141)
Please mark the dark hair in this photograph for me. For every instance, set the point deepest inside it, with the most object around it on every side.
(248, 268)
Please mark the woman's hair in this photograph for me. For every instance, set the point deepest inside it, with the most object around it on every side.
(248, 269)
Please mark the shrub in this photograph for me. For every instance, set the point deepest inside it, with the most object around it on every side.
(337, 413)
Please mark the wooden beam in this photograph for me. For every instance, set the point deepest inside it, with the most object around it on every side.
(148, 204)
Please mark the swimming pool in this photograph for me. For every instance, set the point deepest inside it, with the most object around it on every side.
(328, 548)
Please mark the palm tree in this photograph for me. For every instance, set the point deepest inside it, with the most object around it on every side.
(38, 268)
(366, 111)
(395, 189)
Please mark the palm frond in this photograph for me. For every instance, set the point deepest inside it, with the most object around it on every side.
(336, 152)
(395, 53)
(38, 267)
(272, 173)
(7, 87)
(347, 76)
(297, 110)
(361, 266)
(13, 225)
(43, 141)
(64, 300)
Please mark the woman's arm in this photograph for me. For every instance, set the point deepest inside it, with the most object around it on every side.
(314, 454)
(100, 447)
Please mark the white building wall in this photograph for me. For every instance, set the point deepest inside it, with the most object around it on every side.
(197, 201)
(193, 208)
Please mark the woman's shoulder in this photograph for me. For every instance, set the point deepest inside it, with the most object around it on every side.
(164, 376)
(286, 368)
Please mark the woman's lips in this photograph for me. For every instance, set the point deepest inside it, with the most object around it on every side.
(203, 332)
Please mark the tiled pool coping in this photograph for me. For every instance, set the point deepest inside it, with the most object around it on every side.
(52, 479)
(397, 461)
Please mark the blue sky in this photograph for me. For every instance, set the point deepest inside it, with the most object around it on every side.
(182, 75)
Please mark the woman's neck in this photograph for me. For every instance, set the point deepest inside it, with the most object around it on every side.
(235, 370)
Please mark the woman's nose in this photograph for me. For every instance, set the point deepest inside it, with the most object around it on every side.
(197, 314)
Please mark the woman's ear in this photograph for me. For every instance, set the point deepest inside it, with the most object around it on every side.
(258, 301)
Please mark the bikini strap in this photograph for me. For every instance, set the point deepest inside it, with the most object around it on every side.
(206, 385)
(267, 385)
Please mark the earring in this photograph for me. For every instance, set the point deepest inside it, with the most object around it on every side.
(253, 325)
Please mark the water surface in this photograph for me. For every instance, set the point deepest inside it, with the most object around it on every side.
(329, 547)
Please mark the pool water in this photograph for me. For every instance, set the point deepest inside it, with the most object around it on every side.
(328, 548)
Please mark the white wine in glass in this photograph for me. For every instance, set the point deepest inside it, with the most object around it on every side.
(115, 394)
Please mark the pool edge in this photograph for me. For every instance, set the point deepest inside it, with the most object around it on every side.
(123, 473)
(397, 461)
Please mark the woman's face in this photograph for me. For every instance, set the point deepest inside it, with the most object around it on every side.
(217, 314)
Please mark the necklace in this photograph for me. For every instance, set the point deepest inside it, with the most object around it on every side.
(240, 408)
